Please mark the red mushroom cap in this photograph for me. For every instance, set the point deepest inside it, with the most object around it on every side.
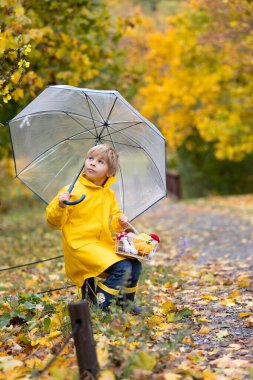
(155, 237)
(121, 234)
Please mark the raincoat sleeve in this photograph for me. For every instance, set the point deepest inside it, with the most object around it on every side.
(56, 215)
(114, 215)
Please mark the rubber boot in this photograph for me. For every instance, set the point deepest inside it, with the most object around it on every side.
(128, 303)
(105, 296)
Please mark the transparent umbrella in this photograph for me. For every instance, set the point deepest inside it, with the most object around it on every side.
(51, 136)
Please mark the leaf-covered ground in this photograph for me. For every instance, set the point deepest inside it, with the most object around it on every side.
(197, 298)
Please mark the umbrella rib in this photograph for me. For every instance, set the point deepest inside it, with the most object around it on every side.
(121, 175)
(147, 153)
(106, 122)
(123, 122)
(87, 100)
(95, 107)
(45, 151)
(52, 111)
(30, 188)
(148, 207)
(111, 110)
(120, 143)
(130, 126)
(87, 130)
(56, 175)
(150, 125)
(127, 137)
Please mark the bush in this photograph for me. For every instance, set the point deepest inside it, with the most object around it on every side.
(202, 174)
(13, 194)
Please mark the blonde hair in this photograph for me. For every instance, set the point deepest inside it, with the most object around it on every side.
(109, 154)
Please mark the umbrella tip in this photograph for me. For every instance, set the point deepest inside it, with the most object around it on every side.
(98, 141)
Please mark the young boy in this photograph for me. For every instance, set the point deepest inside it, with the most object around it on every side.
(87, 228)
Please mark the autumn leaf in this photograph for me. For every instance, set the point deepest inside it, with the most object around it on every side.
(221, 334)
(171, 376)
(209, 375)
(143, 360)
(204, 330)
(106, 375)
(209, 297)
(168, 306)
(102, 351)
(244, 314)
(8, 363)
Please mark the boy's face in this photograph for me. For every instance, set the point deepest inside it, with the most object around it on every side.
(96, 169)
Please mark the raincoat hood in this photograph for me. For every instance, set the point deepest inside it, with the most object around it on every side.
(84, 181)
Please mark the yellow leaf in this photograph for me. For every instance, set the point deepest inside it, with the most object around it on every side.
(242, 278)
(243, 315)
(60, 372)
(106, 375)
(209, 375)
(209, 297)
(102, 351)
(243, 281)
(171, 317)
(235, 347)
(227, 362)
(8, 363)
(18, 94)
(167, 306)
(55, 322)
(33, 331)
(168, 285)
(204, 319)
(222, 334)
(19, 11)
(157, 319)
(41, 341)
(228, 303)
(204, 330)
(54, 334)
(171, 376)
(249, 322)
(234, 294)
(244, 284)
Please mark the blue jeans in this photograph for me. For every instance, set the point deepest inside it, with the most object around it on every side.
(123, 273)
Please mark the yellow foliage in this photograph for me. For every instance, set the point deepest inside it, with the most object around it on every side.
(195, 83)
(70, 47)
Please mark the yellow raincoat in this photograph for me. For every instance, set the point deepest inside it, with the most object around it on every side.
(87, 227)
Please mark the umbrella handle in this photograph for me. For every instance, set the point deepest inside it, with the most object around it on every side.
(71, 203)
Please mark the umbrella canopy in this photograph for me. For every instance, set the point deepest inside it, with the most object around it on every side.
(51, 136)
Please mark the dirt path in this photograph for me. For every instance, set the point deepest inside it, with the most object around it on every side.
(218, 227)
(209, 243)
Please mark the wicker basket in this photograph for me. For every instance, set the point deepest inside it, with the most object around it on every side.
(145, 251)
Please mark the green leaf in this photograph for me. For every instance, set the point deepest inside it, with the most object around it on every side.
(47, 323)
(185, 312)
(250, 371)
(5, 320)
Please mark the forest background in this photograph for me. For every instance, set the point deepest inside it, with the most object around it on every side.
(185, 65)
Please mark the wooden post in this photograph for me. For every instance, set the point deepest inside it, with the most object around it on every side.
(83, 338)
(173, 184)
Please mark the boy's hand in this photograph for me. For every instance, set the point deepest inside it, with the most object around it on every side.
(63, 197)
(123, 221)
